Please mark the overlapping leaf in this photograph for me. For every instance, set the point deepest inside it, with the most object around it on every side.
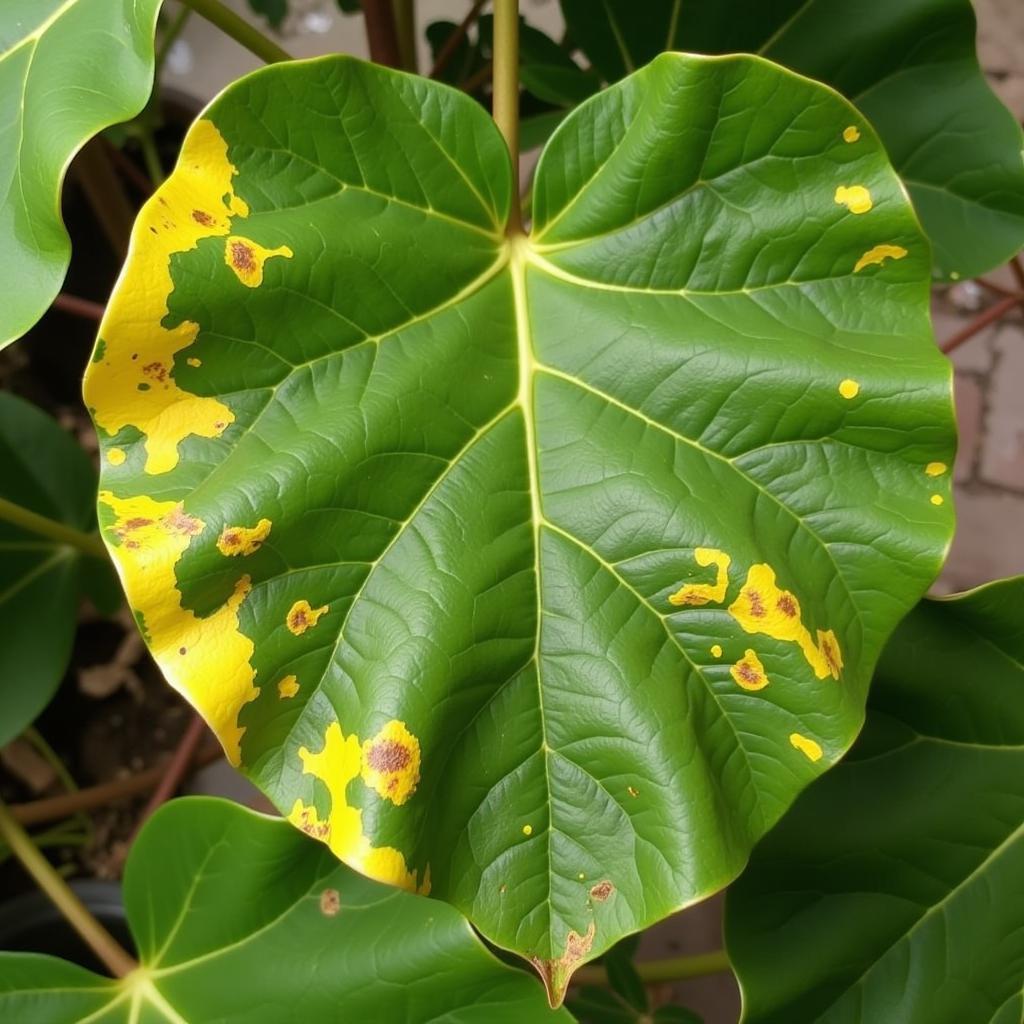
(542, 573)
(894, 883)
(44, 471)
(911, 69)
(68, 68)
(236, 917)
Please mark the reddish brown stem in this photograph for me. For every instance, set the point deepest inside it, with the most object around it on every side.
(127, 169)
(55, 808)
(471, 84)
(979, 323)
(84, 308)
(996, 289)
(175, 769)
(451, 44)
(1017, 269)
(381, 34)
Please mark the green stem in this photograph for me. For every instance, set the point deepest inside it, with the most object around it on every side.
(45, 751)
(98, 939)
(87, 543)
(150, 154)
(506, 93)
(651, 972)
(167, 41)
(239, 29)
(405, 28)
(105, 196)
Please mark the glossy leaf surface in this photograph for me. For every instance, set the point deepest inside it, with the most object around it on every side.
(895, 880)
(237, 917)
(68, 68)
(910, 68)
(542, 572)
(43, 470)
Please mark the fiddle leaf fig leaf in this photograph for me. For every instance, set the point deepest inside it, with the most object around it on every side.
(907, 858)
(237, 917)
(541, 573)
(68, 69)
(910, 68)
(46, 473)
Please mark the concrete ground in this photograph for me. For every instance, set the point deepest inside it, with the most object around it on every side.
(989, 472)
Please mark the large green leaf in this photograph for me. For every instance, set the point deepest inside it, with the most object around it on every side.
(43, 470)
(909, 66)
(892, 890)
(68, 68)
(473, 550)
(236, 917)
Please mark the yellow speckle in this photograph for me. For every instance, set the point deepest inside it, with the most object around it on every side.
(527, 830)
(879, 254)
(762, 607)
(288, 687)
(633, 791)
(856, 198)
(391, 762)
(243, 540)
(192, 361)
(132, 384)
(749, 672)
(936, 468)
(216, 676)
(116, 456)
(582, 876)
(716, 650)
(851, 134)
(954, 275)
(806, 746)
(937, 499)
(703, 593)
(246, 258)
(301, 616)
(849, 388)
(337, 765)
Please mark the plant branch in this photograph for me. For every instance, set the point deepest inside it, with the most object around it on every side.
(175, 769)
(87, 543)
(506, 93)
(381, 35)
(106, 198)
(167, 41)
(239, 29)
(53, 808)
(72, 304)
(404, 12)
(979, 323)
(478, 78)
(98, 939)
(451, 44)
(652, 972)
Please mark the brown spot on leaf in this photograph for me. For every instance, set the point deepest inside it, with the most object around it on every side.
(137, 523)
(202, 217)
(242, 257)
(388, 756)
(787, 606)
(557, 973)
(155, 371)
(757, 608)
(330, 902)
(749, 673)
(602, 891)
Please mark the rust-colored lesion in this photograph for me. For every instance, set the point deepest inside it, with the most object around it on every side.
(302, 616)
(557, 973)
(602, 891)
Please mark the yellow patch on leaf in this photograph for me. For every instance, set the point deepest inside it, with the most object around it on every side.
(337, 765)
(206, 659)
(849, 388)
(133, 385)
(856, 198)
(808, 747)
(705, 593)
(749, 672)
(851, 134)
(302, 616)
(879, 254)
(935, 468)
(116, 456)
(762, 607)
(288, 687)
(391, 762)
(246, 258)
(243, 540)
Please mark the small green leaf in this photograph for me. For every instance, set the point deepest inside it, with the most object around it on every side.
(237, 917)
(275, 11)
(43, 470)
(542, 571)
(891, 891)
(910, 68)
(68, 69)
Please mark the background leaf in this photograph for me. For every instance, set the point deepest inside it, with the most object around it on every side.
(44, 470)
(910, 68)
(68, 68)
(237, 917)
(891, 890)
(478, 553)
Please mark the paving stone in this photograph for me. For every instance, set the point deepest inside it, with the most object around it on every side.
(989, 542)
(970, 404)
(1002, 449)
